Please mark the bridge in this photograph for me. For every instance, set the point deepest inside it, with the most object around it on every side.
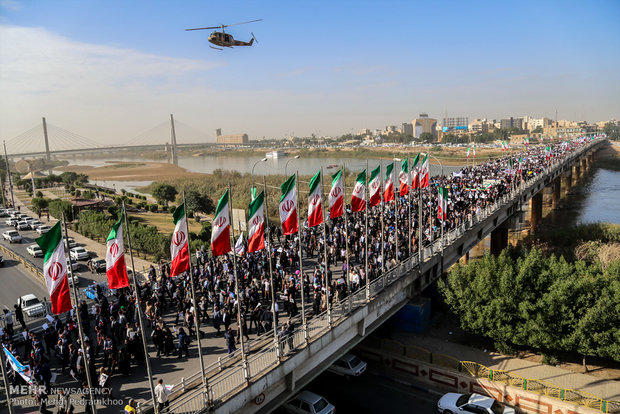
(49, 141)
(268, 377)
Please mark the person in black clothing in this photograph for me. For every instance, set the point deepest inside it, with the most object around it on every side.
(19, 315)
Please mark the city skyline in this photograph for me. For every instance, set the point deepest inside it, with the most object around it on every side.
(111, 71)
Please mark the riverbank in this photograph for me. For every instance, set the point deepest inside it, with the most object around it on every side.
(132, 171)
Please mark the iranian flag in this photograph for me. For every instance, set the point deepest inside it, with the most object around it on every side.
(336, 196)
(55, 269)
(288, 207)
(388, 192)
(404, 177)
(179, 247)
(415, 173)
(358, 198)
(468, 149)
(425, 173)
(315, 209)
(375, 186)
(256, 224)
(115, 257)
(220, 227)
(442, 203)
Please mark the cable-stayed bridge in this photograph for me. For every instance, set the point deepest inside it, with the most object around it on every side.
(49, 140)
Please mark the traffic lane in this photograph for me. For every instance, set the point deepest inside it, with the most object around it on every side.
(371, 393)
(17, 282)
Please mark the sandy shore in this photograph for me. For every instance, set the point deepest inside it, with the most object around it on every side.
(128, 171)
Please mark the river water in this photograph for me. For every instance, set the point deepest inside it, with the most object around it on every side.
(596, 198)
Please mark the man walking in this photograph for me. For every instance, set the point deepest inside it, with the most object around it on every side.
(161, 395)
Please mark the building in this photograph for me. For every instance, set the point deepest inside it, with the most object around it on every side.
(424, 124)
(511, 123)
(530, 123)
(407, 129)
(455, 124)
(233, 139)
(479, 126)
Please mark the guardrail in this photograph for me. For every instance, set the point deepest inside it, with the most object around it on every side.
(505, 377)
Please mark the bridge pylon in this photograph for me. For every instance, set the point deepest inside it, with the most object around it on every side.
(173, 139)
(47, 143)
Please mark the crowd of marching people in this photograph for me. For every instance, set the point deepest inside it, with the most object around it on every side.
(333, 268)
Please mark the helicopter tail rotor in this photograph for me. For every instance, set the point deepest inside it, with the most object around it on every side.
(253, 39)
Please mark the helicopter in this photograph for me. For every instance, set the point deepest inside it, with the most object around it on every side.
(224, 39)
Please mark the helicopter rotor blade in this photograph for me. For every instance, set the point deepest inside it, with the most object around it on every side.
(204, 28)
(251, 21)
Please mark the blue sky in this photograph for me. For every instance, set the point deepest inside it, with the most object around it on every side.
(111, 70)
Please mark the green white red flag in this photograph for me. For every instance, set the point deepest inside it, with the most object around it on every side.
(256, 224)
(336, 196)
(220, 227)
(55, 269)
(415, 173)
(404, 178)
(358, 197)
(179, 247)
(115, 257)
(315, 208)
(425, 173)
(374, 185)
(442, 202)
(288, 207)
(388, 191)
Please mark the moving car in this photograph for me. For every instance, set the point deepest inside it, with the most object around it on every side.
(43, 229)
(23, 225)
(308, 402)
(348, 365)
(79, 253)
(34, 224)
(455, 403)
(12, 236)
(31, 305)
(35, 250)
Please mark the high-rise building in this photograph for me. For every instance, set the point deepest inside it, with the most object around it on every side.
(511, 123)
(424, 124)
(407, 129)
(455, 124)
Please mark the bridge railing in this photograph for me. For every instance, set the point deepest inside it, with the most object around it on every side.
(225, 383)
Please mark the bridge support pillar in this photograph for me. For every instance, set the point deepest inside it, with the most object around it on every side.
(577, 172)
(557, 193)
(499, 239)
(569, 181)
(585, 164)
(536, 204)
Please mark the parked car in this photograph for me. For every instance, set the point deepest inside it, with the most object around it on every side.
(307, 402)
(348, 366)
(43, 229)
(70, 244)
(35, 250)
(3, 213)
(11, 221)
(34, 224)
(99, 265)
(79, 253)
(75, 279)
(74, 264)
(455, 403)
(12, 236)
(22, 225)
(31, 305)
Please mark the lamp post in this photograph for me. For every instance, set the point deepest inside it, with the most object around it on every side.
(252, 189)
(442, 221)
(289, 160)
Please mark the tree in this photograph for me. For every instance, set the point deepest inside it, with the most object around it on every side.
(58, 207)
(199, 203)
(537, 130)
(39, 204)
(427, 137)
(612, 131)
(164, 193)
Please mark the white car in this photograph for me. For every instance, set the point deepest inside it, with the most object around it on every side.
(454, 403)
(11, 222)
(308, 402)
(34, 224)
(12, 236)
(348, 366)
(31, 305)
(74, 264)
(79, 253)
(35, 250)
(23, 225)
(43, 229)
(70, 243)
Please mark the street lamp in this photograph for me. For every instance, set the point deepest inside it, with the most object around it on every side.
(289, 160)
(252, 189)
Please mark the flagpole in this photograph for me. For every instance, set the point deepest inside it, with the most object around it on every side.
(420, 226)
(301, 262)
(80, 327)
(196, 322)
(139, 310)
(329, 307)
(367, 206)
(382, 211)
(244, 361)
(346, 230)
(409, 203)
(273, 287)
(4, 376)
(396, 197)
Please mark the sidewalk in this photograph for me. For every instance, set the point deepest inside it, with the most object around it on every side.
(605, 389)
